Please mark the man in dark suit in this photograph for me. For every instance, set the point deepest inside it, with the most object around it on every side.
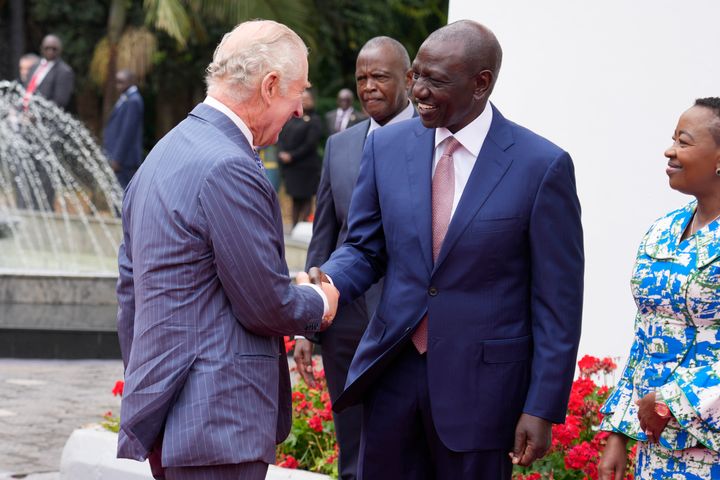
(383, 77)
(52, 78)
(122, 138)
(204, 295)
(475, 223)
(344, 116)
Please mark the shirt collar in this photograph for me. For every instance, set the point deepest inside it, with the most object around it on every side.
(405, 114)
(218, 105)
(472, 136)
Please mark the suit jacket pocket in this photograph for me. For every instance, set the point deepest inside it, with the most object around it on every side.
(508, 350)
(489, 225)
(250, 345)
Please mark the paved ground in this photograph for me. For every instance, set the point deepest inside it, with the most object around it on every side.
(42, 402)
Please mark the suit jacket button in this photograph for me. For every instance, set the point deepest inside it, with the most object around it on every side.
(432, 291)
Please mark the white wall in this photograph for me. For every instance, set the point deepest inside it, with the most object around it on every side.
(606, 80)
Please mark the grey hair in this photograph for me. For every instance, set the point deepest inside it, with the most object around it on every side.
(239, 64)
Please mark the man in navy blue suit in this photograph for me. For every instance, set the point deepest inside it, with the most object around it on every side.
(382, 73)
(475, 223)
(122, 138)
(204, 295)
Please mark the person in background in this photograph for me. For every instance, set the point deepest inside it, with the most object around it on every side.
(204, 296)
(51, 77)
(26, 63)
(344, 115)
(474, 222)
(299, 158)
(668, 397)
(382, 73)
(123, 134)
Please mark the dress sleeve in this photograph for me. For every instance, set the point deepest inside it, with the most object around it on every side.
(619, 410)
(693, 396)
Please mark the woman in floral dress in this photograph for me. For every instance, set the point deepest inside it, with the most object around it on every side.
(668, 397)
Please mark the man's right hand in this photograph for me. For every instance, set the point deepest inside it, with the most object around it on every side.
(303, 360)
(317, 277)
(614, 458)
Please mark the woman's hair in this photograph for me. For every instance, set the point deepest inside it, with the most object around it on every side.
(713, 103)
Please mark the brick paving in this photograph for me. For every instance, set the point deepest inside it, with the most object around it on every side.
(42, 402)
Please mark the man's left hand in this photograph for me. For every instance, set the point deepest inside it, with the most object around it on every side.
(532, 439)
(650, 422)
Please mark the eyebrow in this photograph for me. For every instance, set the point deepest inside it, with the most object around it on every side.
(680, 132)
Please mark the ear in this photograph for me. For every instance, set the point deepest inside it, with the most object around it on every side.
(408, 80)
(270, 87)
(483, 84)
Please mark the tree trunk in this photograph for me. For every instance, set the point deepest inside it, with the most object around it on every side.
(116, 24)
(17, 34)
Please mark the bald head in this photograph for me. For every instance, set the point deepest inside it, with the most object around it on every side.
(454, 73)
(251, 51)
(481, 49)
(51, 47)
(394, 49)
(124, 79)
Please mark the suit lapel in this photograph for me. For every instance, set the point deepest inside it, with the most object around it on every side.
(355, 144)
(419, 164)
(489, 169)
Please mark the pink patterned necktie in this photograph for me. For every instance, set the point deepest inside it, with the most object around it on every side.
(443, 194)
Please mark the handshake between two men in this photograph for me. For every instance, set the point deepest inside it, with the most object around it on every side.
(315, 276)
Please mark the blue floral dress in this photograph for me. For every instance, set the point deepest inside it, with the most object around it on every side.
(676, 351)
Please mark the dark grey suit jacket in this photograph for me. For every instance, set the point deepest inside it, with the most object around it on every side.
(204, 296)
(58, 84)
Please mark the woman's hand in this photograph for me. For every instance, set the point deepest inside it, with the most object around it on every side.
(650, 422)
(614, 458)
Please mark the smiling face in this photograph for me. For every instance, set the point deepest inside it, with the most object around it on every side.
(382, 82)
(450, 91)
(281, 105)
(694, 155)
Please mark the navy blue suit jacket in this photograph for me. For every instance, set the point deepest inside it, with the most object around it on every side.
(204, 296)
(122, 138)
(503, 299)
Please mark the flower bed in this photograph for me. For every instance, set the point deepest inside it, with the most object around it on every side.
(574, 454)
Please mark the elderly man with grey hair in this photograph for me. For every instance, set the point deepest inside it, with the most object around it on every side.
(204, 294)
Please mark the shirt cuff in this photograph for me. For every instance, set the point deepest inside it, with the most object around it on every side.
(326, 305)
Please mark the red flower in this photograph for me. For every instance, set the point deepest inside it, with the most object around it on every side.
(108, 414)
(583, 387)
(589, 365)
(298, 396)
(289, 344)
(315, 422)
(564, 434)
(579, 456)
(288, 462)
(608, 365)
(118, 388)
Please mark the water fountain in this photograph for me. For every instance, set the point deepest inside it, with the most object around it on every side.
(59, 233)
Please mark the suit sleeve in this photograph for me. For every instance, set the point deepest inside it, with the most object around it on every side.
(362, 259)
(125, 294)
(239, 207)
(557, 269)
(326, 227)
(64, 86)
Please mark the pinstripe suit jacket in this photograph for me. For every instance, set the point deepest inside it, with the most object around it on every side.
(203, 296)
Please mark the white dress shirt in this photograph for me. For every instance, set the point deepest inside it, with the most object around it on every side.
(224, 109)
(471, 138)
(405, 114)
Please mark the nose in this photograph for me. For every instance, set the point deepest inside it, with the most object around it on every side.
(418, 89)
(670, 152)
